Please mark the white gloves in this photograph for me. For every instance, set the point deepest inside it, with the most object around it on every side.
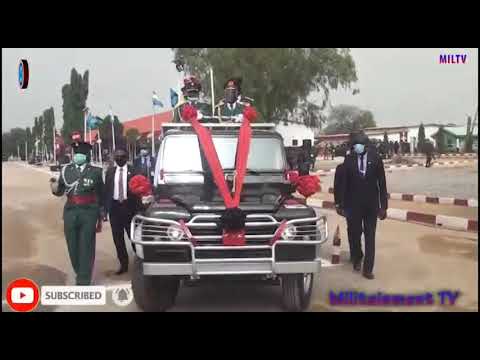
(147, 199)
(238, 118)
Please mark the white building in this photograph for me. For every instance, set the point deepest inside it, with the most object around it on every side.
(294, 133)
(406, 133)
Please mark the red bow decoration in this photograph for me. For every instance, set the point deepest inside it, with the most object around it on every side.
(232, 235)
(140, 186)
(189, 113)
(250, 113)
(307, 185)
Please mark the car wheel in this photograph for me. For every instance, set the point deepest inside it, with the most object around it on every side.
(297, 291)
(153, 293)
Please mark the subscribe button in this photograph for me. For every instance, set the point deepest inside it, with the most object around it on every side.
(74, 295)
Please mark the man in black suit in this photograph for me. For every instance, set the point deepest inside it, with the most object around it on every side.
(120, 204)
(338, 193)
(145, 163)
(364, 198)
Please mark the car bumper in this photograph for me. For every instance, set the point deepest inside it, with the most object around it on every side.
(274, 261)
(229, 267)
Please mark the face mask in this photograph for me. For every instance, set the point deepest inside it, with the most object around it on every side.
(121, 161)
(193, 95)
(79, 159)
(231, 95)
(359, 148)
(144, 152)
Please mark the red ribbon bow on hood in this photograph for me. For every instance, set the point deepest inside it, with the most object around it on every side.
(190, 114)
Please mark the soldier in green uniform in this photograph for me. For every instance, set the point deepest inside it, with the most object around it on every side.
(230, 109)
(83, 185)
(191, 92)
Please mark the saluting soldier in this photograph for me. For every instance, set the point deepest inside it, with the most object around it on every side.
(83, 185)
(191, 92)
(232, 106)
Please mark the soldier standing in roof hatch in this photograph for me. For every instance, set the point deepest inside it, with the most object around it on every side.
(191, 92)
(233, 104)
(83, 185)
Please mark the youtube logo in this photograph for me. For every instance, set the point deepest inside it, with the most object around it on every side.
(23, 295)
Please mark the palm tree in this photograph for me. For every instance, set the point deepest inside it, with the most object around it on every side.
(132, 137)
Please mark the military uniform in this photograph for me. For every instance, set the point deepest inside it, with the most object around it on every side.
(226, 110)
(203, 107)
(83, 186)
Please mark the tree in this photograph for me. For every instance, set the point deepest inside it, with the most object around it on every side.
(280, 80)
(29, 140)
(132, 135)
(105, 128)
(49, 123)
(440, 138)
(74, 97)
(344, 119)
(421, 138)
(13, 141)
(468, 146)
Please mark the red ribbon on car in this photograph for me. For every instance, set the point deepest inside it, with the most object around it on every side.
(231, 237)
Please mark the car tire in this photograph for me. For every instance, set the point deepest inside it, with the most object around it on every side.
(297, 291)
(153, 293)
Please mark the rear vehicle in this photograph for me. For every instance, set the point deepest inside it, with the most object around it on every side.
(178, 238)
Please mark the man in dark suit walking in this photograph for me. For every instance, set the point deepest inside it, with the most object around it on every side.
(365, 199)
(338, 195)
(145, 163)
(121, 204)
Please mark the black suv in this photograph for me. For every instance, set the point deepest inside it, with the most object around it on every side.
(178, 238)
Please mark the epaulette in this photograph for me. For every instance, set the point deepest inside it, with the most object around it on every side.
(244, 103)
(221, 103)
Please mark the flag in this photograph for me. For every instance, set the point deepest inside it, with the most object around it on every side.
(93, 121)
(173, 98)
(155, 100)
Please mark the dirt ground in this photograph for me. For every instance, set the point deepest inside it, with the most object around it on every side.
(410, 258)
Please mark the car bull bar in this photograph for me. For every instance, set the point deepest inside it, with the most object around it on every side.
(157, 228)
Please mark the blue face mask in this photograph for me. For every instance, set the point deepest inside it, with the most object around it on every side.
(79, 159)
(359, 148)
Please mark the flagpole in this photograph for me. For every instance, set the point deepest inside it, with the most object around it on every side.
(54, 143)
(153, 132)
(18, 152)
(85, 114)
(26, 152)
(113, 128)
(100, 147)
(213, 91)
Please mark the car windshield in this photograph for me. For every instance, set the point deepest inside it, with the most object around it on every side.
(181, 153)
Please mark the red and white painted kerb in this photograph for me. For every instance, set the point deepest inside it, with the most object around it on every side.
(469, 155)
(406, 167)
(425, 199)
(336, 247)
(444, 221)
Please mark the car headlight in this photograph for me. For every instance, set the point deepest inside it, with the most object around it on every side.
(289, 233)
(174, 233)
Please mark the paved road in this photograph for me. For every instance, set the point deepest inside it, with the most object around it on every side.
(410, 258)
(458, 182)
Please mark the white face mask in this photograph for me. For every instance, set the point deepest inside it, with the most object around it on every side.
(359, 148)
(144, 152)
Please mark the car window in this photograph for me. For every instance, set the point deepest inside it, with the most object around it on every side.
(182, 153)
